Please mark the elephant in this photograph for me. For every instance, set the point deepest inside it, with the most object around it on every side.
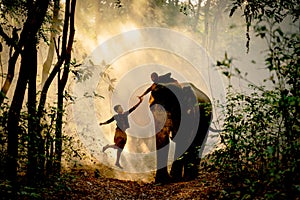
(182, 113)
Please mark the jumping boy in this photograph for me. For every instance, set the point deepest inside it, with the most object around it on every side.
(120, 137)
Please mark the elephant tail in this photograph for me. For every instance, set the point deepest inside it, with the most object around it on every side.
(214, 130)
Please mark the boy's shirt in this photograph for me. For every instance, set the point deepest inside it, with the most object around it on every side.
(122, 120)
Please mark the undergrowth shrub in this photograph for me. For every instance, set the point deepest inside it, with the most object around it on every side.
(261, 131)
(260, 139)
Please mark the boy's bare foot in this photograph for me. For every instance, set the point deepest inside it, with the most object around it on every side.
(118, 165)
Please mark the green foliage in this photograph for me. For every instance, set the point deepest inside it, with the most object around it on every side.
(261, 152)
(261, 133)
(12, 9)
(69, 150)
(258, 11)
(186, 8)
(47, 140)
(261, 136)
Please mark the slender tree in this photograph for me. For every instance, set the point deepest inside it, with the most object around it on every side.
(36, 14)
(197, 15)
(206, 25)
(62, 81)
(54, 32)
(30, 57)
(16, 43)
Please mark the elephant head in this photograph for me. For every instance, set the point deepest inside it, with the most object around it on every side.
(182, 113)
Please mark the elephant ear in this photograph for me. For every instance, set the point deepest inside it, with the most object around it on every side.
(189, 98)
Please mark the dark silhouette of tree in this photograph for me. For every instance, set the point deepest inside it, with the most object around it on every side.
(32, 18)
(28, 39)
(53, 35)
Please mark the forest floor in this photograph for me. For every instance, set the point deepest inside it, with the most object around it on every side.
(96, 181)
(102, 182)
(88, 186)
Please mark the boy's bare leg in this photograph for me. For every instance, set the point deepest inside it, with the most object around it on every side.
(109, 146)
(119, 151)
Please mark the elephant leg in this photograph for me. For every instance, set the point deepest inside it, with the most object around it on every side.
(179, 156)
(162, 146)
(176, 169)
(186, 166)
(191, 164)
(182, 140)
(162, 129)
(192, 158)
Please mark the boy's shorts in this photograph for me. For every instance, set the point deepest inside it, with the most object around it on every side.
(120, 138)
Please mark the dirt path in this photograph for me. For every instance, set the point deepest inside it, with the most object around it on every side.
(87, 186)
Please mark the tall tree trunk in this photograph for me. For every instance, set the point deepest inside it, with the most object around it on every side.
(214, 31)
(45, 159)
(206, 27)
(58, 128)
(64, 57)
(11, 65)
(30, 54)
(33, 23)
(60, 62)
(51, 50)
(10, 75)
(197, 15)
(12, 128)
(14, 116)
(61, 87)
(17, 45)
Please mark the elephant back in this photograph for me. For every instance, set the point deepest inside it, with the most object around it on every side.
(176, 97)
(199, 95)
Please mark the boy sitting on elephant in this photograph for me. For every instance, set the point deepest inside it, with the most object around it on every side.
(166, 78)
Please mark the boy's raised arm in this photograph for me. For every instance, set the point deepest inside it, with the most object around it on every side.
(136, 105)
(108, 121)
